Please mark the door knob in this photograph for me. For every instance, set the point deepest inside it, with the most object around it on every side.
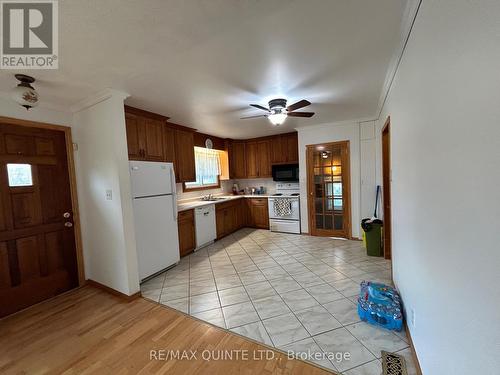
(68, 224)
(66, 215)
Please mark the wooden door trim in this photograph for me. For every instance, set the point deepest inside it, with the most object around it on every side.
(72, 182)
(387, 189)
(347, 184)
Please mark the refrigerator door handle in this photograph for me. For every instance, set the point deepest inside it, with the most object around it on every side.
(174, 193)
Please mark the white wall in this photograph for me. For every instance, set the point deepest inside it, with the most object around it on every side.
(8, 108)
(107, 225)
(331, 133)
(445, 142)
(368, 180)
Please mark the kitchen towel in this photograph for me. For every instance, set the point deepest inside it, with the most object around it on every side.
(282, 207)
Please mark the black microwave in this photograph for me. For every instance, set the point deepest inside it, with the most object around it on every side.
(286, 172)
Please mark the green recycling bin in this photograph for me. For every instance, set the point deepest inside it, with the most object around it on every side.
(373, 236)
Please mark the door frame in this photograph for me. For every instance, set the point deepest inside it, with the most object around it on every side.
(347, 187)
(72, 183)
(386, 187)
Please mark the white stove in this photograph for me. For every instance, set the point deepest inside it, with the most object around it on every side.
(284, 208)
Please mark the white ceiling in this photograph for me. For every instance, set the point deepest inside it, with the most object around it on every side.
(201, 62)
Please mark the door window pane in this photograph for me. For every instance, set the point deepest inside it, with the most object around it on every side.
(338, 222)
(19, 175)
(337, 204)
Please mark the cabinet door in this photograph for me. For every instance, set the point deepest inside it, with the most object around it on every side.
(264, 160)
(258, 214)
(154, 140)
(135, 137)
(252, 160)
(187, 235)
(169, 147)
(184, 155)
(237, 157)
(292, 148)
(229, 220)
(277, 153)
(243, 214)
(220, 222)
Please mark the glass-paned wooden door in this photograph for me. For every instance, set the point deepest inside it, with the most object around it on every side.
(328, 189)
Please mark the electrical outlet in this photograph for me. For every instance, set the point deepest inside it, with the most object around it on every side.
(109, 195)
(412, 317)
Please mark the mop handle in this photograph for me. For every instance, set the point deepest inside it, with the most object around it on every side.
(376, 201)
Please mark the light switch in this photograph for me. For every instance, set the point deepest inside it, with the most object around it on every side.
(109, 195)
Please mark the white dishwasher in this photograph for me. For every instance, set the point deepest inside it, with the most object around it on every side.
(204, 221)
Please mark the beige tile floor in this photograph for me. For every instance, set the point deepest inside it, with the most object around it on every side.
(294, 292)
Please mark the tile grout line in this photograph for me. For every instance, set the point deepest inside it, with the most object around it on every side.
(280, 241)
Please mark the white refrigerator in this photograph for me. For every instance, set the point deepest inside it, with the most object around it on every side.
(155, 216)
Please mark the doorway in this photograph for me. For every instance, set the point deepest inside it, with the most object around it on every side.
(38, 257)
(328, 189)
(386, 187)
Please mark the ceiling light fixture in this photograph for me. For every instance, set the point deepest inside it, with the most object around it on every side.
(278, 116)
(24, 93)
(278, 111)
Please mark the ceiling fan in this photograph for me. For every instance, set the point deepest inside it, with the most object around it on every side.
(278, 111)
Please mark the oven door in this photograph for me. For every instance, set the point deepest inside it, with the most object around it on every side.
(295, 214)
(286, 172)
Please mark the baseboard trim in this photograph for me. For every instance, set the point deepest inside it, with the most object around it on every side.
(413, 352)
(112, 291)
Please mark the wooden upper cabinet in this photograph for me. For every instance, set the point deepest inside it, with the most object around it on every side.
(144, 138)
(169, 144)
(258, 161)
(135, 136)
(285, 149)
(184, 156)
(237, 155)
(252, 160)
(264, 159)
(153, 130)
(276, 150)
(292, 148)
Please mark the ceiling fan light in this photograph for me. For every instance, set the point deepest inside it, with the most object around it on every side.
(25, 94)
(277, 118)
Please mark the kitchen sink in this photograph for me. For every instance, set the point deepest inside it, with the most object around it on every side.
(213, 199)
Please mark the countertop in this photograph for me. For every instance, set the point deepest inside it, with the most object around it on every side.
(189, 204)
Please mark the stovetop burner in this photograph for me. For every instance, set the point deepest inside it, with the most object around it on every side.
(277, 194)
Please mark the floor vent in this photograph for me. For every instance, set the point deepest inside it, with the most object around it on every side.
(393, 364)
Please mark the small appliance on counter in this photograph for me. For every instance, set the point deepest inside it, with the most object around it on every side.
(284, 208)
(235, 189)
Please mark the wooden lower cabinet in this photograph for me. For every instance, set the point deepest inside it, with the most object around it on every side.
(229, 217)
(258, 214)
(236, 214)
(187, 234)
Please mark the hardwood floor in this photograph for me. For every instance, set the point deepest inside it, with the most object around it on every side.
(90, 331)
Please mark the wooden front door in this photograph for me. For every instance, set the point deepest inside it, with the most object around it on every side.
(328, 186)
(37, 241)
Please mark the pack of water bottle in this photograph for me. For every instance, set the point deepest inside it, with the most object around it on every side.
(380, 305)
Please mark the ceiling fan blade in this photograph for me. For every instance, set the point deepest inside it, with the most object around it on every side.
(300, 104)
(242, 118)
(259, 107)
(300, 114)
